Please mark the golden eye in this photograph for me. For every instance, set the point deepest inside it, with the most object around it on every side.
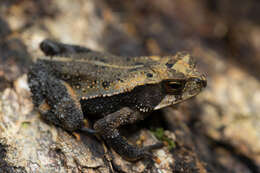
(174, 87)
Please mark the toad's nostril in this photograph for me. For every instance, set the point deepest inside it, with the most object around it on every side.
(201, 82)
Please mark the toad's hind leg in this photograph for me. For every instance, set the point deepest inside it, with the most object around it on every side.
(54, 48)
(65, 108)
(107, 128)
(55, 100)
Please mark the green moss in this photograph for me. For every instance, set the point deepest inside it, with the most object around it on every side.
(159, 134)
(25, 124)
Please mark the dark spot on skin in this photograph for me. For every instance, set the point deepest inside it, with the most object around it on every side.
(103, 60)
(139, 63)
(169, 65)
(149, 75)
(105, 84)
(120, 80)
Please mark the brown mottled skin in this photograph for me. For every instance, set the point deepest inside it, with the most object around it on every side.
(72, 82)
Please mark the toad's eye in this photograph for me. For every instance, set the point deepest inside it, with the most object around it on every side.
(174, 87)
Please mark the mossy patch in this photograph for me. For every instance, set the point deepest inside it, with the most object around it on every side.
(159, 134)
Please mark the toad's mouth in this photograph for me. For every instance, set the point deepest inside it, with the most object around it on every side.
(167, 101)
(173, 99)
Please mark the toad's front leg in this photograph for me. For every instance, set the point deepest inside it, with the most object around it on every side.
(107, 128)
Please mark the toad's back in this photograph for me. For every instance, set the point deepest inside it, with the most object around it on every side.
(98, 74)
